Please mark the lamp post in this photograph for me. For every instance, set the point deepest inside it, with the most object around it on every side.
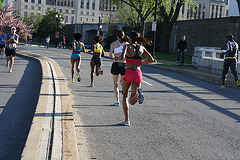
(154, 28)
(58, 19)
(99, 24)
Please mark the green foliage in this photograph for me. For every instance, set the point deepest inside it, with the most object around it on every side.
(111, 37)
(1, 3)
(34, 20)
(50, 23)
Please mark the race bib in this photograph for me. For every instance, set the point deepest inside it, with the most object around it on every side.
(11, 45)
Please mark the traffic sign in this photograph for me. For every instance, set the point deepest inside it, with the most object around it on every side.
(57, 34)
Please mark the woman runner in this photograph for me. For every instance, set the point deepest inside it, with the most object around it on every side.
(118, 66)
(77, 47)
(133, 77)
(96, 60)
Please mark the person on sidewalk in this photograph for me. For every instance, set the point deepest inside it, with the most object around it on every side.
(182, 48)
(133, 53)
(96, 60)
(11, 45)
(47, 41)
(76, 56)
(118, 66)
(230, 60)
(2, 43)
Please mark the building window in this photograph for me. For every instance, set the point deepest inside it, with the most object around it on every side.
(25, 14)
(65, 3)
(72, 11)
(199, 11)
(93, 4)
(216, 14)
(32, 7)
(60, 10)
(66, 19)
(39, 1)
(87, 19)
(69, 4)
(26, 7)
(92, 19)
(87, 5)
(82, 3)
(93, 14)
(72, 4)
(81, 19)
(25, 0)
(39, 8)
(72, 20)
(48, 8)
(66, 11)
(81, 13)
(220, 14)
(87, 13)
(33, 1)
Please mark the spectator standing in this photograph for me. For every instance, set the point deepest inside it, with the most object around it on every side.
(182, 48)
(63, 42)
(11, 45)
(2, 43)
(47, 41)
(230, 60)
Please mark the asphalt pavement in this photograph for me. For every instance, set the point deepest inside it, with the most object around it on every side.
(19, 93)
(181, 118)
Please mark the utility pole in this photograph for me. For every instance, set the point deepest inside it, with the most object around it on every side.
(154, 28)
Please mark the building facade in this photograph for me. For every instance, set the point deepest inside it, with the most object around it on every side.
(206, 9)
(75, 11)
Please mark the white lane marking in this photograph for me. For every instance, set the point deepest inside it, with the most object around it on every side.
(147, 83)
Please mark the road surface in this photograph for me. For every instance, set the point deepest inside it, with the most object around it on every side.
(181, 117)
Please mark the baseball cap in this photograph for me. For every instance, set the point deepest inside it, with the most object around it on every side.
(230, 36)
(13, 28)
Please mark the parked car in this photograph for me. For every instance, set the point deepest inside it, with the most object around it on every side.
(88, 46)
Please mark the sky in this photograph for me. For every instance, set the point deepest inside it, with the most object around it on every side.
(233, 8)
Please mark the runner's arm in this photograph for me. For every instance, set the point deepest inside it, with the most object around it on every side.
(148, 56)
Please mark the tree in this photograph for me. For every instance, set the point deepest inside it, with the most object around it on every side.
(238, 2)
(1, 3)
(50, 23)
(169, 11)
(144, 8)
(33, 19)
(8, 20)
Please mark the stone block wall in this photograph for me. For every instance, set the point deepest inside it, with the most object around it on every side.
(205, 32)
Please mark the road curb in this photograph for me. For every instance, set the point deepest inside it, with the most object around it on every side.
(38, 144)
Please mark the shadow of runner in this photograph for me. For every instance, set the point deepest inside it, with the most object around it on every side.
(16, 117)
(190, 95)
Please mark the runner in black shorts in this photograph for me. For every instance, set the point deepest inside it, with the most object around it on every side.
(118, 67)
(11, 44)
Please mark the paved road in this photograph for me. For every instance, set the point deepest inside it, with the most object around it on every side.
(18, 97)
(181, 118)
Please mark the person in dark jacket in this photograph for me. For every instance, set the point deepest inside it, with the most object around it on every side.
(230, 60)
(182, 48)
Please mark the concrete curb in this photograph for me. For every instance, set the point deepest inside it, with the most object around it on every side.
(52, 133)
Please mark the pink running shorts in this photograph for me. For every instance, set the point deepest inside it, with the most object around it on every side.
(133, 76)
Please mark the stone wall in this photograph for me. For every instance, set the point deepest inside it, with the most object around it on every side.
(205, 32)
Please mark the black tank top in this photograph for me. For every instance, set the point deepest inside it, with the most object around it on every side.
(136, 56)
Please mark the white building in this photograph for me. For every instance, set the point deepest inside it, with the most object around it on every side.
(205, 9)
(75, 11)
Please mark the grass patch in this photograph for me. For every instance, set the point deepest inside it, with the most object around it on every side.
(172, 57)
(174, 66)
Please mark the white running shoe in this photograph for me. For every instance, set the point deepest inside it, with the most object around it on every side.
(10, 70)
(126, 123)
(116, 104)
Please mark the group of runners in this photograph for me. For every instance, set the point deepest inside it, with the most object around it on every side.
(8, 46)
(127, 53)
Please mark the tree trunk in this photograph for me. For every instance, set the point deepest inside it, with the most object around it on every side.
(238, 2)
(167, 29)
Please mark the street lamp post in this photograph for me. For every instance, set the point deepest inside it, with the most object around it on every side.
(154, 27)
(99, 24)
(58, 20)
